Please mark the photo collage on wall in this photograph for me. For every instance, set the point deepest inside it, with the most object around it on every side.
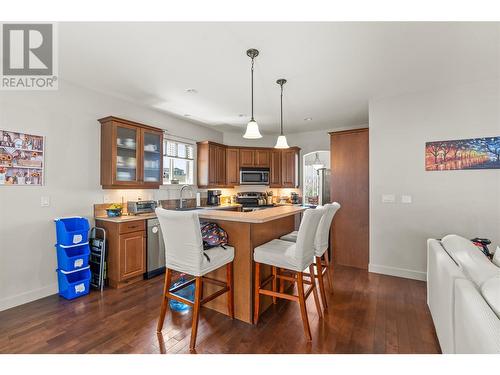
(21, 159)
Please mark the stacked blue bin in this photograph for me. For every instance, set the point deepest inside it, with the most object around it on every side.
(73, 251)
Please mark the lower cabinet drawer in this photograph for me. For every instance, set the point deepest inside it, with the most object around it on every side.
(132, 226)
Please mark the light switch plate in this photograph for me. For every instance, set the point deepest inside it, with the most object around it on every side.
(406, 199)
(388, 198)
(44, 201)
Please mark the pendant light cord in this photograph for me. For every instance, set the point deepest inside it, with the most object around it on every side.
(252, 89)
(281, 98)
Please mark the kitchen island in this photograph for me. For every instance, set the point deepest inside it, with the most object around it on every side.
(246, 231)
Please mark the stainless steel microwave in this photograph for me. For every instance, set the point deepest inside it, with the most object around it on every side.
(254, 176)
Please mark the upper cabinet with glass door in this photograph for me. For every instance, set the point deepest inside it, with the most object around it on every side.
(153, 155)
(130, 154)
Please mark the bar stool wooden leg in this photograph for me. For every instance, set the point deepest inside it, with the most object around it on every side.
(302, 303)
(164, 303)
(275, 283)
(315, 292)
(321, 283)
(256, 301)
(230, 293)
(282, 282)
(329, 271)
(196, 311)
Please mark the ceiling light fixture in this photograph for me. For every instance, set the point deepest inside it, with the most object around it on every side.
(252, 131)
(317, 163)
(308, 119)
(281, 141)
(192, 91)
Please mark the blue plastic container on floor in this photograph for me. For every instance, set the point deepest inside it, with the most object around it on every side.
(72, 230)
(74, 284)
(71, 258)
(187, 293)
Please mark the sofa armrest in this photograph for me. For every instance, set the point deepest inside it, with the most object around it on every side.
(442, 272)
(477, 328)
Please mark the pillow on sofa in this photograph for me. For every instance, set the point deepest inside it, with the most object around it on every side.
(470, 259)
(491, 293)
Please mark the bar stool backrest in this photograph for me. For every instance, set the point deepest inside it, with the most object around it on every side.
(182, 238)
(304, 247)
(323, 233)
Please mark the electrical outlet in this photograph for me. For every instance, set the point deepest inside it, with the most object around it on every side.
(106, 198)
(406, 199)
(44, 201)
(388, 198)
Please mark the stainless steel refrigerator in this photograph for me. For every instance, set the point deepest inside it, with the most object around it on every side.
(324, 180)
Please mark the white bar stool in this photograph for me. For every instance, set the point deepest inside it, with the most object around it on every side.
(294, 257)
(184, 253)
(320, 249)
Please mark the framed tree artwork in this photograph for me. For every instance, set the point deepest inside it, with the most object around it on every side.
(474, 153)
(21, 159)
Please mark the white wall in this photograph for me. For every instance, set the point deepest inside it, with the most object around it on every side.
(462, 202)
(68, 119)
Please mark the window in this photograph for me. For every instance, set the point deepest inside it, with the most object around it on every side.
(178, 163)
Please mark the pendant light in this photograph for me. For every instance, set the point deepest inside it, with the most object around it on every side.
(252, 131)
(317, 163)
(281, 141)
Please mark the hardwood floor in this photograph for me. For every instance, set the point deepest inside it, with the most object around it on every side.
(368, 313)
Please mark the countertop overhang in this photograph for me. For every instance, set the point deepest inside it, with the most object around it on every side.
(209, 213)
(255, 217)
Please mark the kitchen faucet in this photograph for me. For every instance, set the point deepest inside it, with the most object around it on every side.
(181, 202)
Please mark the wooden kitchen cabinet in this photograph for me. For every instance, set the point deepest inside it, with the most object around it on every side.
(247, 157)
(253, 158)
(275, 169)
(289, 167)
(126, 251)
(211, 165)
(132, 255)
(232, 167)
(131, 155)
(219, 165)
(262, 158)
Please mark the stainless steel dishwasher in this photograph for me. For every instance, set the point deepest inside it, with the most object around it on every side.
(155, 250)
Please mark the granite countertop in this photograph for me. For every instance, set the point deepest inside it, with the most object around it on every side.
(152, 215)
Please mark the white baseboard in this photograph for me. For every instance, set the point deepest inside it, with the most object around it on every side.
(32, 295)
(399, 272)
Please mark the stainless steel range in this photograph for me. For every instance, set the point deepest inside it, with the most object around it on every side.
(252, 201)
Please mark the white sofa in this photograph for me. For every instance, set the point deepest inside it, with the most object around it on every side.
(463, 294)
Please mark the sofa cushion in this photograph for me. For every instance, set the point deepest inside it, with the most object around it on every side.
(470, 259)
(491, 293)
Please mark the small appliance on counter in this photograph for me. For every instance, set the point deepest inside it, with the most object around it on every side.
(295, 198)
(213, 197)
(141, 207)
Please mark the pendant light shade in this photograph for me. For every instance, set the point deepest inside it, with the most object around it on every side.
(281, 141)
(252, 131)
(317, 163)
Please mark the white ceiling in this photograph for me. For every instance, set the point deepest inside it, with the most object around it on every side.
(333, 69)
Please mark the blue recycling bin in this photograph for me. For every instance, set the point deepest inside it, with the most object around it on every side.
(74, 284)
(72, 230)
(71, 258)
